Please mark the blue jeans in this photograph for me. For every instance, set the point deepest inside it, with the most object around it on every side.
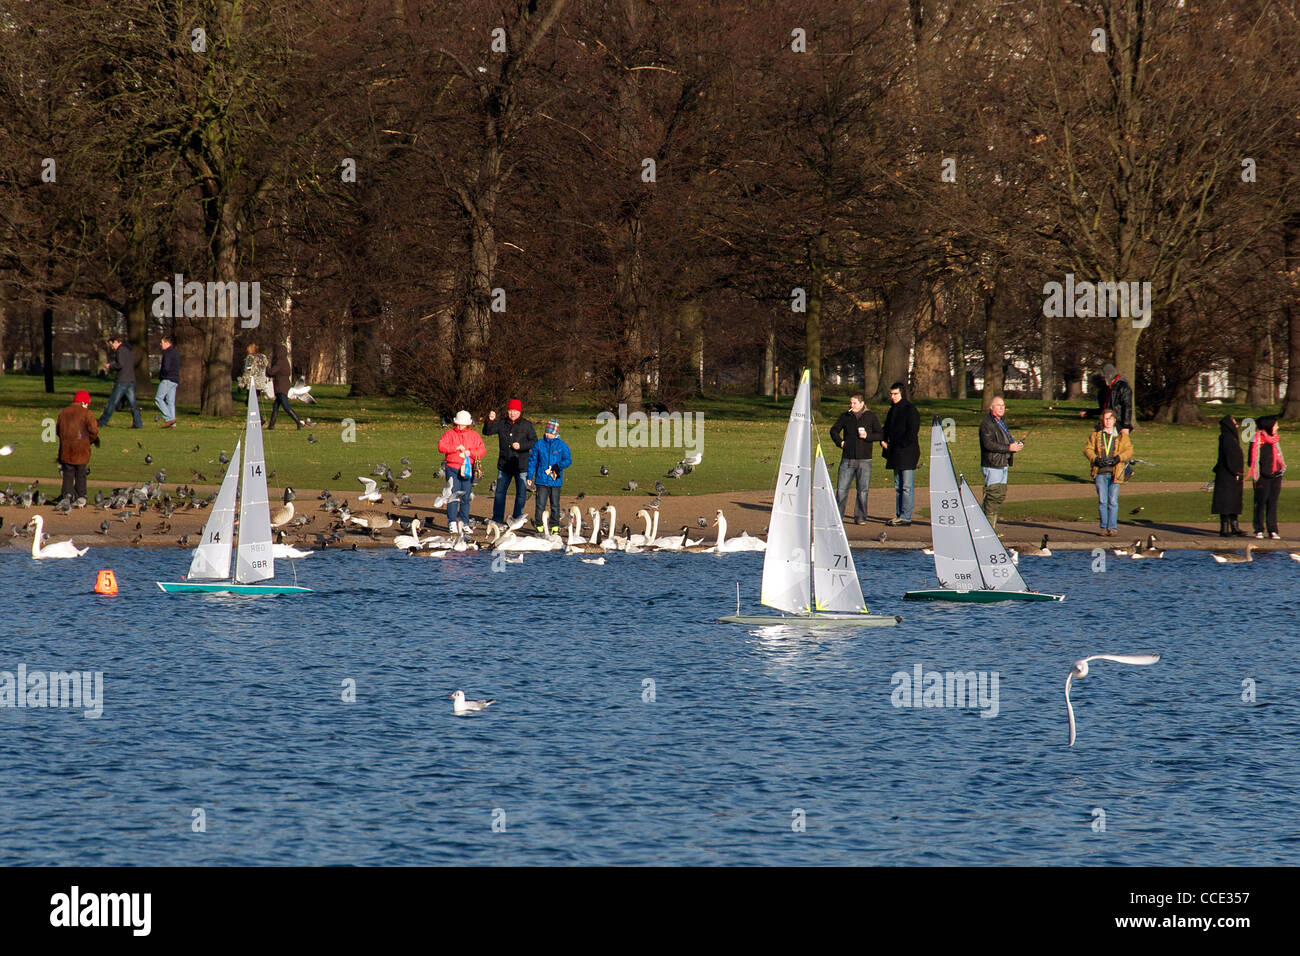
(165, 398)
(849, 469)
(903, 489)
(120, 389)
(460, 497)
(1107, 499)
(503, 486)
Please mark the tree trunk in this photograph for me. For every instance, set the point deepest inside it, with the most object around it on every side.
(1262, 391)
(189, 340)
(365, 374)
(932, 376)
(47, 344)
(959, 362)
(1126, 348)
(900, 331)
(137, 333)
(767, 386)
(1182, 409)
(993, 356)
(871, 356)
(1049, 387)
(813, 331)
(1291, 314)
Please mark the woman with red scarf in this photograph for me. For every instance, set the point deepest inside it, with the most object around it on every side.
(1266, 469)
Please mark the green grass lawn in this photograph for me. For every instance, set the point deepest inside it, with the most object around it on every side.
(742, 441)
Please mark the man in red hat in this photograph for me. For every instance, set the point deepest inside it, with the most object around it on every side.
(517, 437)
(77, 430)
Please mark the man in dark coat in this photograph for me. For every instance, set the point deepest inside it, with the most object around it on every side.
(280, 372)
(169, 379)
(77, 431)
(902, 450)
(1228, 472)
(997, 452)
(1119, 396)
(855, 432)
(516, 437)
(122, 361)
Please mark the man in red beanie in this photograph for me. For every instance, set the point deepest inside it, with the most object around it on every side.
(77, 430)
(517, 438)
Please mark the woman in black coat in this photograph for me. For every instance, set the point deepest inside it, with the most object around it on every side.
(1228, 471)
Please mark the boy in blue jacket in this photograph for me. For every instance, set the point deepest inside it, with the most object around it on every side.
(546, 463)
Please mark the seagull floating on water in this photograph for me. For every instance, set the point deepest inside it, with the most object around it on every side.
(1080, 670)
(460, 705)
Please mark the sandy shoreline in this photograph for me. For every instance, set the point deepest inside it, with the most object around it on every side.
(744, 511)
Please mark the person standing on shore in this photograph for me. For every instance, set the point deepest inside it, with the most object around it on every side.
(462, 447)
(280, 372)
(546, 463)
(902, 451)
(169, 379)
(517, 437)
(1119, 396)
(1229, 471)
(122, 362)
(997, 451)
(77, 430)
(1108, 451)
(856, 432)
(1267, 466)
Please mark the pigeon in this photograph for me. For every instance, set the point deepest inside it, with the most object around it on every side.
(492, 488)
(460, 705)
(148, 459)
(194, 449)
(701, 522)
(631, 485)
(184, 540)
(1138, 510)
(660, 489)
(406, 461)
(604, 471)
(379, 470)
(654, 503)
(311, 439)
(103, 527)
(1080, 670)
(337, 476)
(161, 476)
(882, 536)
(406, 473)
(223, 458)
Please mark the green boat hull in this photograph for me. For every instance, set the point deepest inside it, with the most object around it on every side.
(226, 587)
(988, 596)
(814, 620)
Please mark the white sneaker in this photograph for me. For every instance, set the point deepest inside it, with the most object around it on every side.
(1275, 536)
(453, 527)
(1259, 534)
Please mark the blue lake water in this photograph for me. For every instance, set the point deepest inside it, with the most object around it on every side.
(234, 705)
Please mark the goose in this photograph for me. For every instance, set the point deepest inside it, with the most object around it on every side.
(282, 516)
(371, 493)
(288, 551)
(1042, 551)
(742, 543)
(371, 520)
(61, 549)
(1125, 552)
(696, 546)
(1150, 551)
(1233, 557)
(575, 544)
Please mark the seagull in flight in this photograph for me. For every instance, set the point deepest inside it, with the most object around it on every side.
(1080, 670)
(370, 493)
(459, 705)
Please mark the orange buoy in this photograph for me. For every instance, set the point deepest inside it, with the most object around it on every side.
(105, 583)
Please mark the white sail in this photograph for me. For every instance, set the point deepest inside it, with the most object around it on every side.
(211, 561)
(995, 565)
(955, 563)
(787, 585)
(835, 579)
(255, 560)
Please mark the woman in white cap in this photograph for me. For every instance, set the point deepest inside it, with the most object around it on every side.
(463, 448)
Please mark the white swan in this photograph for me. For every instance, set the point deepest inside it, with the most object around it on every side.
(288, 551)
(742, 543)
(412, 540)
(62, 549)
(575, 544)
(513, 542)
(643, 540)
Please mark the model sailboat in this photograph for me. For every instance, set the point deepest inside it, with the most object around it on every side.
(254, 560)
(970, 561)
(807, 550)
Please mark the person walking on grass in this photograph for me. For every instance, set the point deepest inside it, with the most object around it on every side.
(280, 372)
(997, 452)
(856, 432)
(77, 430)
(1267, 466)
(462, 448)
(122, 362)
(1119, 397)
(1109, 451)
(546, 463)
(1229, 471)
(902, 451)
(169, 379)
(517, 437)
